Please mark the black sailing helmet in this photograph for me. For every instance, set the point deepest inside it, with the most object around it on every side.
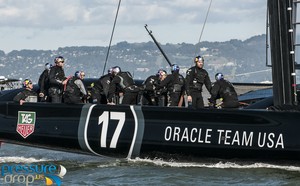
(174, 68)
(59, 59)
(219, 76)
(26, 82)
(199, 58)
(116, 70)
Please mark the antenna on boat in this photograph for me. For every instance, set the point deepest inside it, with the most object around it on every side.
(112, 34)
(203, 25)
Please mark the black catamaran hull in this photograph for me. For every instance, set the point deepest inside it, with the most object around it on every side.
(131, 131)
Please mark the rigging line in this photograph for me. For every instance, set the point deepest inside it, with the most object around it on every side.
(267, 38)
(111, 37)
(204, 24)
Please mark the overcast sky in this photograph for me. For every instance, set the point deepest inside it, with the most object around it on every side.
(49, 24)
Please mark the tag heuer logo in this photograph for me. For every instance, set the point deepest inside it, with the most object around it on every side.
(26, 123)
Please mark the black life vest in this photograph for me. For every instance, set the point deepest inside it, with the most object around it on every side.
(104, 82)
(198, 78)
(126, 80)
(150, 83)
(178, 83)
(227, 91)
(72, 90)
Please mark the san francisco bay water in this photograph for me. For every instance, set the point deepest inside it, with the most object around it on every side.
(92, 170)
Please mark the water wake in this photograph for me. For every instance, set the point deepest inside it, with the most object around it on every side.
(218, 165)
(18, 159)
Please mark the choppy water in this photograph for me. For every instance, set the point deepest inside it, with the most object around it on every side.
(92, 170)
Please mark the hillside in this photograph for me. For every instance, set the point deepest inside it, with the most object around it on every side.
(236, 59)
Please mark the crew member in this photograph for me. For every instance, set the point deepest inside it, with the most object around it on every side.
(44, 83)
(75, 89)
(224, 90)
(123, 81)
(27, 95)
(102, 86)
(162, 93)
(57, 80)
(174, 83)
(196, 76)
(94, 94)
(149, 87)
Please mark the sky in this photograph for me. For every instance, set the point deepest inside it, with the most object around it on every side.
(50, 24)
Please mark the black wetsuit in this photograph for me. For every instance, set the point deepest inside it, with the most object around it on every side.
(102, 86)
(149, 91)
(124, 81)
(73, 94)
(224, 89)
(44, 85)
(195, 78)
(174, 84)
(24, 95)
(56, 77)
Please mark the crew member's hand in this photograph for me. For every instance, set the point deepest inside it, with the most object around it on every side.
(111, 103)
(41, 94)
(65, 82)
(22, 101)
(211, 105)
